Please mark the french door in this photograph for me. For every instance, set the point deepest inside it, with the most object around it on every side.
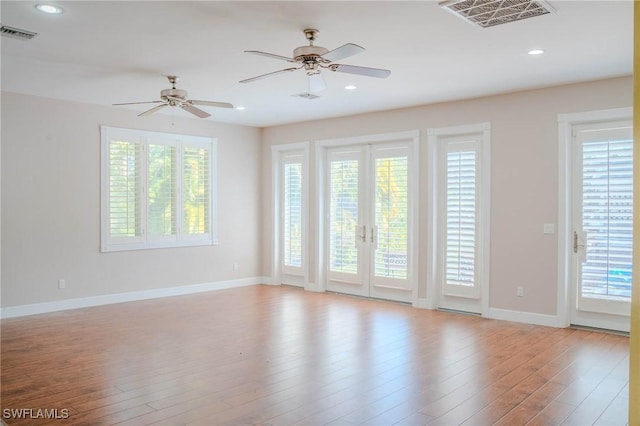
(368, 222)
(602, 225)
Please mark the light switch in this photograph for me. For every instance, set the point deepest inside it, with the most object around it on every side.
(549, 228)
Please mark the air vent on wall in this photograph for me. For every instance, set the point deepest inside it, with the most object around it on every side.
(488, 13)
(12, 32)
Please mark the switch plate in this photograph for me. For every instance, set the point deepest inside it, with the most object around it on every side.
(549, 228)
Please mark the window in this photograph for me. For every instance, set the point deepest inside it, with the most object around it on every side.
(157, 190)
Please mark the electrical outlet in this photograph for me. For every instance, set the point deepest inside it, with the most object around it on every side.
(62, 284)
(520, 291)
(235, 266)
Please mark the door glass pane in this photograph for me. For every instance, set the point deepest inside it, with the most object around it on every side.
(161, 186)
(343, 216)
(607, 197)
(292, 212)
(460, 218)
(391, 217)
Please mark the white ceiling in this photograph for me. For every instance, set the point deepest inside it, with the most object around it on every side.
(105, 52)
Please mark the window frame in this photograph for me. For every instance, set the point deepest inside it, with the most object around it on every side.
(145, 240)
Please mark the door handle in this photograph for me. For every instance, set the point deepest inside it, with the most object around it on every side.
(362, 233)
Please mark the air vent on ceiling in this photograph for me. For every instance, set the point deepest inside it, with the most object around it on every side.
(488, 13)
(12, 32)
(307, 95)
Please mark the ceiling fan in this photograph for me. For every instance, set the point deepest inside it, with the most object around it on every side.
(178, 97)
(314, 58)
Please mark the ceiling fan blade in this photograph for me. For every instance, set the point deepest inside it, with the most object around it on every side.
(369, 72)
(342, 52)
(267, 75)
(271, 55)
(195, 111)
(152, 110)
(138, 103)
(211, 103)
(316, 83)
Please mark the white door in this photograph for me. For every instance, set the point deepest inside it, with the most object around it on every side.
(368, 221)
(602, 232)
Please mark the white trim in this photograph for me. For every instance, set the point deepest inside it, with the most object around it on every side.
(523, 317)
(484, 208)
(277, 151)
(566, 122)
(108, 299)
(422, 303)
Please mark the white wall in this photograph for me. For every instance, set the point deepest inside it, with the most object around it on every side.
(50, 177)
(524, 177)
(51, 205)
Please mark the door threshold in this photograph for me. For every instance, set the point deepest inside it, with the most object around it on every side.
(601, 330)
(456, 311)
(375, 299)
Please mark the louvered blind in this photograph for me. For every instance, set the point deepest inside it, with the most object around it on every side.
(607, 200)
(391, 217)
(196, 190)
(124, 189)
(292, 214)
(343, 216)
(460, 239)
(161, 213)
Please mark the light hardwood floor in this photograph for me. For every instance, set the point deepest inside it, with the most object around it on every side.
(283, 356)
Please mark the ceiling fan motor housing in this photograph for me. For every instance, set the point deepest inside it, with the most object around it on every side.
(308, 53)
(173, 93)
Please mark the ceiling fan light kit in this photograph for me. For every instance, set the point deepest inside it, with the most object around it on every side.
(312, 59)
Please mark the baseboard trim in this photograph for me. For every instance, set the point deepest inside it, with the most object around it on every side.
(524, 317)
(108, 299)
(422, 303)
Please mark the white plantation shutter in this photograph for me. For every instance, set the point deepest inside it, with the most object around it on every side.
(292, 211)
(460, 240)
(124, 163)
(161, 189)
(143, 174)
(607, 213)
(391, 217)
(343, 215)
(196, 191)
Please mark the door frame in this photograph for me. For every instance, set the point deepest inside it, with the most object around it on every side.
(435, 196)
(278, 152)
(321, 148)
(566, 123)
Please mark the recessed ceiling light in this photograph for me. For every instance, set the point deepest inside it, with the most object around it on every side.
(536, 52)
(350, 87)
(240, 108)
(49, 8)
